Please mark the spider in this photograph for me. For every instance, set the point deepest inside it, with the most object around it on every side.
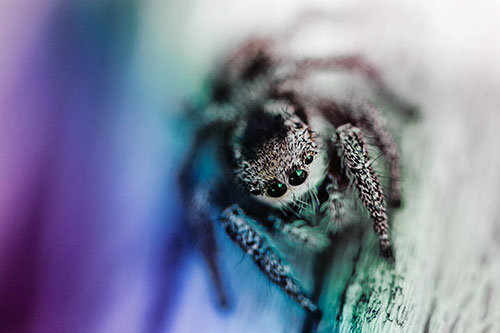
(288, 163)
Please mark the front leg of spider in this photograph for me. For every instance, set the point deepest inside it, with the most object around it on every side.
(238, 227)
(371, 120)
(198, 217)
(368, 118)
(357, 164)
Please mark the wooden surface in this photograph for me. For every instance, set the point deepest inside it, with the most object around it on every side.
(447, 235)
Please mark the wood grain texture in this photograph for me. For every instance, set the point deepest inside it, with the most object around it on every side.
(447, 272)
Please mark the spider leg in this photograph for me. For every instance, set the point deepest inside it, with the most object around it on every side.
(312, 238)
(372, 121)
(357, 164)
(201, 227)
(199, 217)
(358, 64)
(252, 59)
(333, 207)
(238, 227)
(366, 116)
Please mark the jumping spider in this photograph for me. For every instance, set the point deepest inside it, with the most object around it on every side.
(288, 160)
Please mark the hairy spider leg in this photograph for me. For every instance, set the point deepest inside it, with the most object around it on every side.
(201, 226)
(298, 232)
(366, 116)
(372, 121)
(334, 206)
(358, 64)
(252, 59)
(238, 227)
(199, 219)
(358, 165)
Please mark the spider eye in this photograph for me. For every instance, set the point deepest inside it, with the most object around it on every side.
(276, 189)
(297, 177)
(309, 159)
(255, 192)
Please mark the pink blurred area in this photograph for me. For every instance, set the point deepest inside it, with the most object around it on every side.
(20, 153)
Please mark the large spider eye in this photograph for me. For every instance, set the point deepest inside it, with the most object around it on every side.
(309, 159)
(297, 177)
(255, 192)
(276, 189)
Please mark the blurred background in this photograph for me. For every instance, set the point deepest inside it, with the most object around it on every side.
(91, 138)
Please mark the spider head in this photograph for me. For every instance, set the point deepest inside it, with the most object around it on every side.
(278, 157)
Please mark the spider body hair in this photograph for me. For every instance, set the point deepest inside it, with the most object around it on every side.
(291, 164)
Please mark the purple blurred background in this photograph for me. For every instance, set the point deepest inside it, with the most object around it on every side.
(85, 208)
